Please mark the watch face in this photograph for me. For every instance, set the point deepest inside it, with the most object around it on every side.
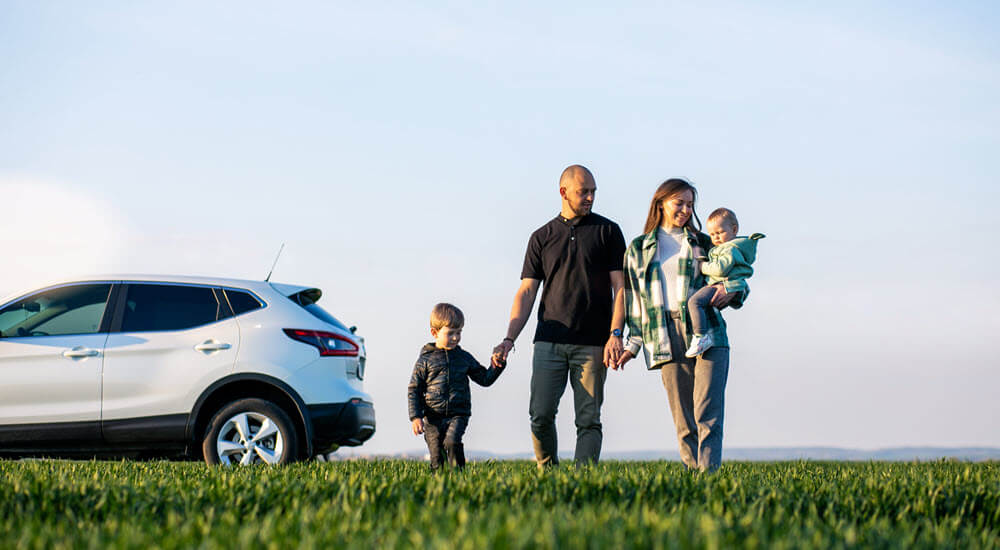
(616, 332)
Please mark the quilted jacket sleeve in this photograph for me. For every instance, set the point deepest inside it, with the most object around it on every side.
(417, 388)
(482, 375)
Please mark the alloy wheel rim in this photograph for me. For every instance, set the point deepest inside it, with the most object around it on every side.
(249, 438)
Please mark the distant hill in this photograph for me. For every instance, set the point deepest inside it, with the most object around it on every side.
(898, 454)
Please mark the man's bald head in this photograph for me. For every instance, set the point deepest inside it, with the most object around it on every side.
(575, 173)
(577, 188)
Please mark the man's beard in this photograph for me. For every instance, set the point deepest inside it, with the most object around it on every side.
(581, 209)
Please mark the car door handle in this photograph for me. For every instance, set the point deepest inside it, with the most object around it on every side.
(81, 351)
(212, 345)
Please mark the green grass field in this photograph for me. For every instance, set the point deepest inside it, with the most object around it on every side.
(398, 504)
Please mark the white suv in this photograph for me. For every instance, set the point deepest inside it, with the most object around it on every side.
(234, 371)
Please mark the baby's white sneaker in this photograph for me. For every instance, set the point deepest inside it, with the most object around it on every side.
(699, 345)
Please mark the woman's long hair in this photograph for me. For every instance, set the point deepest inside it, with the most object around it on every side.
(666, 190)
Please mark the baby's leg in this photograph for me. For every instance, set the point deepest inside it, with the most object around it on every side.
(697, 303)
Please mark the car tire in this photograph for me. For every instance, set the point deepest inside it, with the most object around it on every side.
(234, 435)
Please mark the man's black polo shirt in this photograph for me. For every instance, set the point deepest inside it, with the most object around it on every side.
(573, 259)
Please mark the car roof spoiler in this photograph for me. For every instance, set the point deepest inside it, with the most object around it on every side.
(299, 294)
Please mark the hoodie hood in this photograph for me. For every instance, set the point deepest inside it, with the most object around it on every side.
(748, 246)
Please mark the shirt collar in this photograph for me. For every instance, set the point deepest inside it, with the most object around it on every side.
(570, 222)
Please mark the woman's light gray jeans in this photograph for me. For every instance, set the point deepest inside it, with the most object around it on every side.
(696, 391)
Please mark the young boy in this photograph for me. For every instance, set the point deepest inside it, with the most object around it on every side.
(439, 396)
(728, 264)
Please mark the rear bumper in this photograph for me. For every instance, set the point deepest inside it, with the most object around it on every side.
(345, 424)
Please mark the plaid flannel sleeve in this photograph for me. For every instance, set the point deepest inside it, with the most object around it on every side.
(633, 302)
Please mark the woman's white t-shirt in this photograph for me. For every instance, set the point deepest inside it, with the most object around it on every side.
(670, 244)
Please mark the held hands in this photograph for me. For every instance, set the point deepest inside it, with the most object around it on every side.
(418, 426)
(625, 357)
(613, 351)
(499, 357)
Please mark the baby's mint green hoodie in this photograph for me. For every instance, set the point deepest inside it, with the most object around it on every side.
(730, 264)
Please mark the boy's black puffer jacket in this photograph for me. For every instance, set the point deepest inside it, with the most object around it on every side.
(440, 381)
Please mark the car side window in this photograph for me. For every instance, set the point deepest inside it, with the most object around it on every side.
(242, 302)
(70, 309)
(158, 307)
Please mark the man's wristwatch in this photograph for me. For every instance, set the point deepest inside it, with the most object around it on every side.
(617, 332)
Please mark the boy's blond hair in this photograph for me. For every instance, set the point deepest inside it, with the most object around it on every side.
(446, 315)
(724, 215)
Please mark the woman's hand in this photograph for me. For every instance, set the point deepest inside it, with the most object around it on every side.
(625, 357)
(722, 298)
(418, 426)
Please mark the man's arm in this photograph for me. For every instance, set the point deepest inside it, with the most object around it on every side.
(524, 300)
(613, 348)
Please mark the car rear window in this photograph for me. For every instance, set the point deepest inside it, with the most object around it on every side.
(324, 316)
(242, 302)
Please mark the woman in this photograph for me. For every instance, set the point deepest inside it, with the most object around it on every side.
(661, 271)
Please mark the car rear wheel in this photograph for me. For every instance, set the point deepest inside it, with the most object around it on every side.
(250, 431)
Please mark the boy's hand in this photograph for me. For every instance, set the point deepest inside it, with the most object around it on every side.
(418, 426)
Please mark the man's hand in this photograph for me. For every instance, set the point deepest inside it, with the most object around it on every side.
(612, 350)
(722, 298)
(499, 357)
(625, 357)
(418, 426)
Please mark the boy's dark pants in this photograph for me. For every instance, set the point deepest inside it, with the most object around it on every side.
(443, 434)
(696, 305)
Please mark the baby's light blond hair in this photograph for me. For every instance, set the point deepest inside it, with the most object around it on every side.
(724, 215)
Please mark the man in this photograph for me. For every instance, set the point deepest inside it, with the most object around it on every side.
(577, 259)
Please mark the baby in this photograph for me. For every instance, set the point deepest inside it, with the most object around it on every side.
(728, 264)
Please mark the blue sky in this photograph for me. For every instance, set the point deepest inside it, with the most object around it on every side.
(404, 153)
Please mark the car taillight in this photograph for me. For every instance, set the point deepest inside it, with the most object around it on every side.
(327, 343)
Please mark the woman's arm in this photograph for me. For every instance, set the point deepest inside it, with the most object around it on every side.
(632, 304)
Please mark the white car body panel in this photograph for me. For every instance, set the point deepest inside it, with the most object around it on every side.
(40, 385)
(158, 373)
